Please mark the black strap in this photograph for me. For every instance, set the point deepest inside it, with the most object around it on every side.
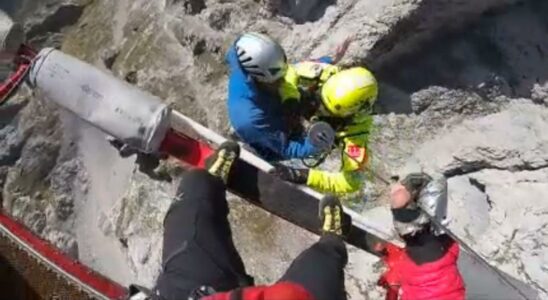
(425, 247)
(317, 160)
(405, 215)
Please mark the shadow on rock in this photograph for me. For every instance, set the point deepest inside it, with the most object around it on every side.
(302, 11)
(9, 7)
(61, 18)
(393, 100)
(490, 58)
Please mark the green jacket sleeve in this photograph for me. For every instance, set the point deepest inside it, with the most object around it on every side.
(342, 182)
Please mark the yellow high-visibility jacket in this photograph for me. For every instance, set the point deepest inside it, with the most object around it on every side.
(352, 136)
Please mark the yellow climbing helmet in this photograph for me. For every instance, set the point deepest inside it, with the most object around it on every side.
(349, 91)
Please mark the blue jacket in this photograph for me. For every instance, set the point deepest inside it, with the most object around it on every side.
(257, 117)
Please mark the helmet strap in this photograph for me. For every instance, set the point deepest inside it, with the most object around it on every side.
(323, 111)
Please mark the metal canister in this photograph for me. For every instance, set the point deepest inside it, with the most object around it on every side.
(125, 112)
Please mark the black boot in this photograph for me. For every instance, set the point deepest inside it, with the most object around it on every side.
(220, 163)
(332, 216)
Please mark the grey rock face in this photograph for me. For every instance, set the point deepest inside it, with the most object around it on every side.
(513, 139)
(497, 166)
(445, 103)
(540, 93)
(136, 221)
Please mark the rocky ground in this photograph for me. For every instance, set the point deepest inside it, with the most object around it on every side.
(463, 92)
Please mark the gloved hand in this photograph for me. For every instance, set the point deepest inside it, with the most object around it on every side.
(298, 176)
(123, 149)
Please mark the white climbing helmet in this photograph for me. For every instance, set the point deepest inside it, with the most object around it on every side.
(261, 57)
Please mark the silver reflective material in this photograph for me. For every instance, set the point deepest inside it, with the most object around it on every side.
(433, 200)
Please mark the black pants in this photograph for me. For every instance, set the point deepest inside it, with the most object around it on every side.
(198, 248)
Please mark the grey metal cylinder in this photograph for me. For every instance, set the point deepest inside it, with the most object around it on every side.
(139, 119)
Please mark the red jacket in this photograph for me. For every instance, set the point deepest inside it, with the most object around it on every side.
(438, 280)
(279, 291)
